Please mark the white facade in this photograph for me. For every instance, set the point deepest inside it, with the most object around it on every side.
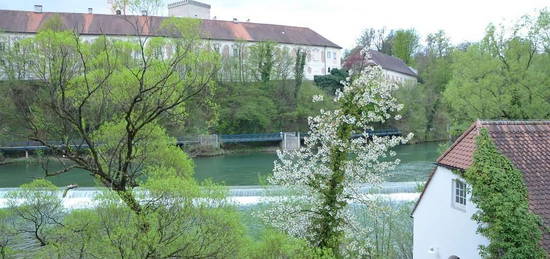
(399, 77)
(442, 226)
(189, 8)
(319, 60)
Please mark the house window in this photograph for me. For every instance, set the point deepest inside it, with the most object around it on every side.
(459, 193)
(334, 55)
(328, 54)
(217, 47)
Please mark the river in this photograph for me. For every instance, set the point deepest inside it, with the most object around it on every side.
(233, 169)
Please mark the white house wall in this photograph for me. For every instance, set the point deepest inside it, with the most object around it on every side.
(399, 77)
(440, 229)
(318, 62)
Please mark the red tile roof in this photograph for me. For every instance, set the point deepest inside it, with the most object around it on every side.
(527, 145)
(125, 25)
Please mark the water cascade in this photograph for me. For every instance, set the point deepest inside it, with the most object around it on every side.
(83, 197)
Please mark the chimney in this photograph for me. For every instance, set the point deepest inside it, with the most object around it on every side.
(38, 8)
(90, 10)
(144, 12)
(235, 20)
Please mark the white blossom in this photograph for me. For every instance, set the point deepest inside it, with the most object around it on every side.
(306, 172)
(317, 98)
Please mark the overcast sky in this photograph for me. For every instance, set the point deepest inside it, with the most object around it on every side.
(342, 21)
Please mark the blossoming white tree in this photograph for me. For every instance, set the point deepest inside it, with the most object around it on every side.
(326, 174)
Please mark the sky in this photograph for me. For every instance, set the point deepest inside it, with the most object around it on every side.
(342, 21)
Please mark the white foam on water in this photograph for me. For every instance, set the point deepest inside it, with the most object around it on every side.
(239, 195)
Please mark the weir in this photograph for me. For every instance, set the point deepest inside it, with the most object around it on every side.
(83, 197)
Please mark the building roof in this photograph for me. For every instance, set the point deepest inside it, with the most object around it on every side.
(391, 63)
(125, 25)
(526, 144)
(187, 2)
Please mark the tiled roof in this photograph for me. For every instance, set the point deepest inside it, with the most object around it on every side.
(391, 63)
(527, 145)
(387, 62)
(125, 25)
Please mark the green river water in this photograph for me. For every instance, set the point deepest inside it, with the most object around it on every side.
(234, 169)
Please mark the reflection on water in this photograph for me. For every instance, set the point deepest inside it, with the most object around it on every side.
(235, 169)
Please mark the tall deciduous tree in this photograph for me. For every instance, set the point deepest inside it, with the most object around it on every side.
(502, 77)
(379, 39)
(326, 174)
(404, 45)
(262, 57)
(103, 99)
(434, 67)
(299, 71)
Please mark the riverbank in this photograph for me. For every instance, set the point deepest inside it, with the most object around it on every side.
(272, 148)
(198, 151)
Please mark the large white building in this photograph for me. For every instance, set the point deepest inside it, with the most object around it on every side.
(323, 54)
(443, 225)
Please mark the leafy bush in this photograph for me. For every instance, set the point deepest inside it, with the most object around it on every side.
(500, 194)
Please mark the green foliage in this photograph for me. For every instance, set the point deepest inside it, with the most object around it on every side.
(390, 227)
(38, 208)
(333, 81)
(434, 66)
(404, 45)
(299, 71)
(500, 194)
(414, 120)
(245, 108)
(274, 244)
(110, 96)
(254, 108)
(7, 234)
(179, 219)
(262, 55)
(501, 77)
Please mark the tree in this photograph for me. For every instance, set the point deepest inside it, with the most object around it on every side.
(504, 216)
(38, 209)
(104, 99)
(7, 234)
(185, 220)
(245, 108)
(434, 68)
(379, 39)
(414, 100)
(332, 82)
(404, 45)
(14, 95)
(325, 175)
(501, 77)
(262, 57)
(299, 71)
